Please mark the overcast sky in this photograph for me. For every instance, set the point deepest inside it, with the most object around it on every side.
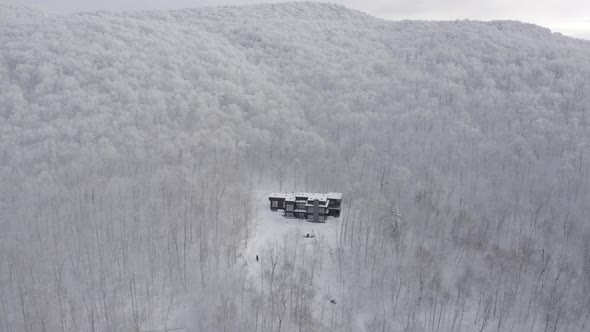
(570, 17)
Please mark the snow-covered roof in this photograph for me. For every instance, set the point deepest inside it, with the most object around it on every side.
(278, 195)
(319, 197)
(334, 195)
(291, 197)
(302, 194)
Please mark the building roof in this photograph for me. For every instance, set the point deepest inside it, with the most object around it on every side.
(319, 197)
(278, 195)
(302, 194)
(291, 197)
(334, 195)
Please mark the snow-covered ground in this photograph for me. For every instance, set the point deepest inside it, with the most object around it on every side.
(270, 227)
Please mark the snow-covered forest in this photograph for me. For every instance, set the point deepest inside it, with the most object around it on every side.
(136, 149)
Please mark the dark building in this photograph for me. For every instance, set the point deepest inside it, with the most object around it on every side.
(311, 206)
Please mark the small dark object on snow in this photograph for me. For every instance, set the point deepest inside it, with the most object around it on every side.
(309, 236)
(257, 258)
(333, 301)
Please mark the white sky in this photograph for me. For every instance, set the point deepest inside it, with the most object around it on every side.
(570, 17)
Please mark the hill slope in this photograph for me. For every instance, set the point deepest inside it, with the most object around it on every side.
(131, 145)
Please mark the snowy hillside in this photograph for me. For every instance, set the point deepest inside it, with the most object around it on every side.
(136, 150)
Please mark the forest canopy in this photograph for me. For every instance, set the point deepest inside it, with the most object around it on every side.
(122, 133)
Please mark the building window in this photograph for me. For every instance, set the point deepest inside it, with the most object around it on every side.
(321, 210)
(289, 214)
(310, 209)
(289, 207)
(275, 204)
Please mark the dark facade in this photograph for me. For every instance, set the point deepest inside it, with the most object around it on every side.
(311, 206)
